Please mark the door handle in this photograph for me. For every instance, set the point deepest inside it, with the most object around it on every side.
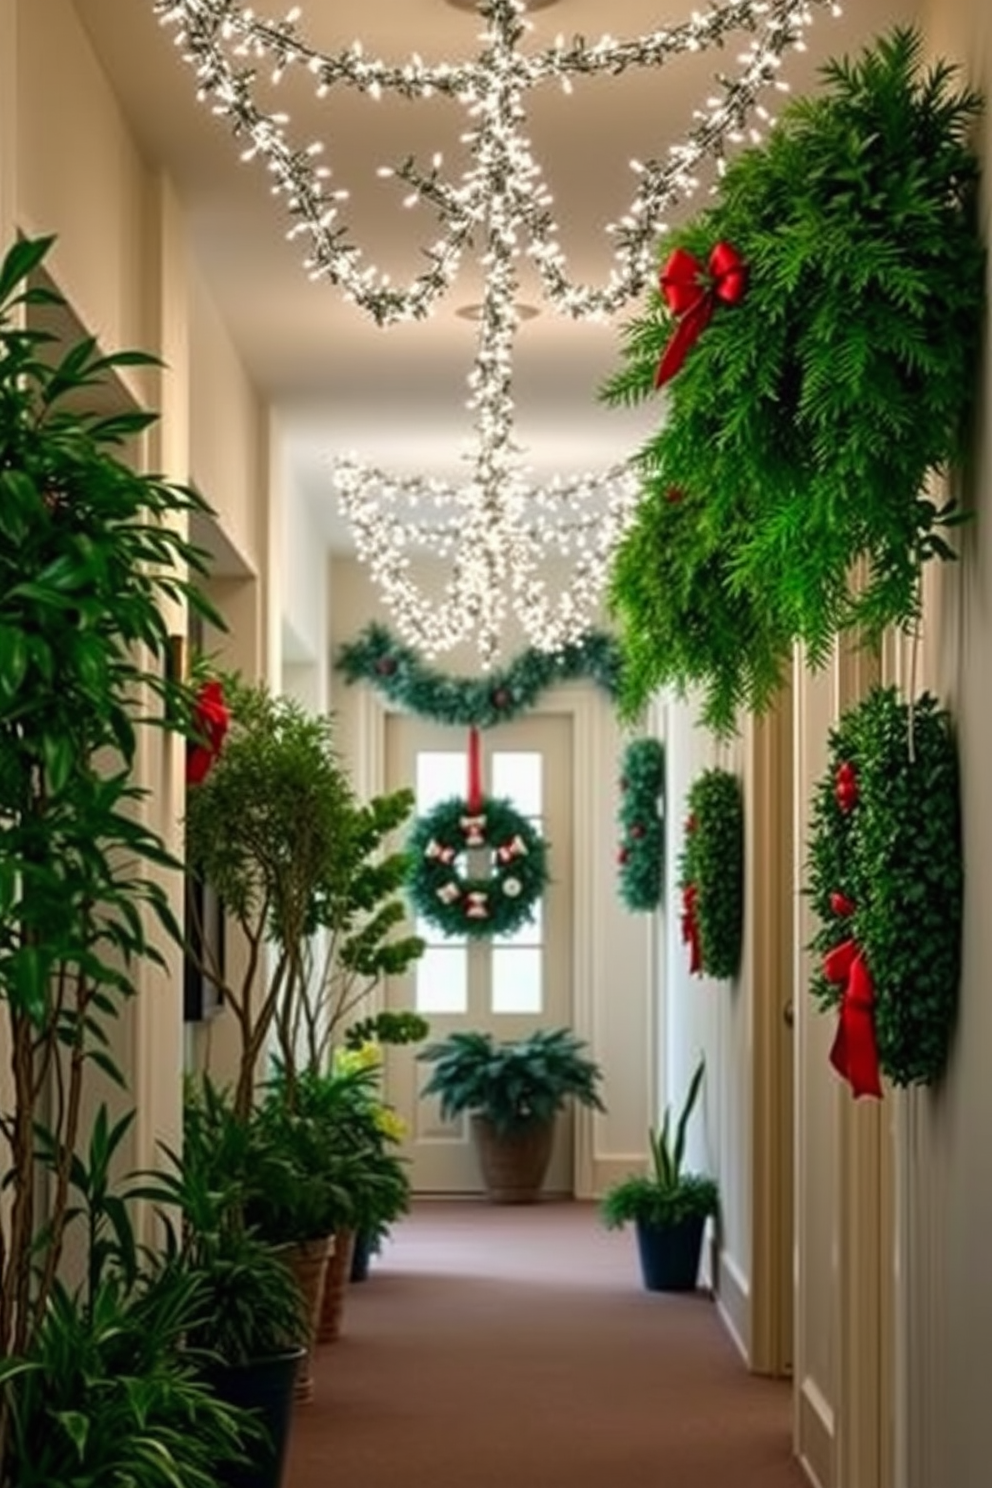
(789, 1014)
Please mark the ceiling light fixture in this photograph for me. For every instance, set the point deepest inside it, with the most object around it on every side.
(502, 208)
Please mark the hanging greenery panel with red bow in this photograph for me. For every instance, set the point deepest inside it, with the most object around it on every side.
(815, 332)
(711, 875)
(885, 877)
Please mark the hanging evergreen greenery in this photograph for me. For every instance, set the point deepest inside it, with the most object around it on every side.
(886, 880)
(445, 884)
(829, 319)
(711, 874)
(399, 673)
(641, 854)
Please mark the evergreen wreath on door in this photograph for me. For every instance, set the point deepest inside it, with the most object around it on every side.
(711, 875)
(886, 880)
(477, 867)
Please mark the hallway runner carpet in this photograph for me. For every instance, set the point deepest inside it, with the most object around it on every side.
(513, 1347)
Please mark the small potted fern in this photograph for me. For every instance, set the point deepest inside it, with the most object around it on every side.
(668, 1207)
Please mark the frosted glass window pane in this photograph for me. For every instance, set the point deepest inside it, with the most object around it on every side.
(440, 775)
(517, 979)
(518, 776)
(442, 980)
(527, 935)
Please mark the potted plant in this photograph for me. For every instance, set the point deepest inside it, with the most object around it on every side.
(248, 1338)
(92, 559)
(512, 1091)
(668, 1207)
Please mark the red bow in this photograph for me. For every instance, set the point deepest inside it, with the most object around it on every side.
(691, 292)
(210, 722)
(854, 1054)
(690, 928)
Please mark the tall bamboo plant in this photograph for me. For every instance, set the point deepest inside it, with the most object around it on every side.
(91, 552)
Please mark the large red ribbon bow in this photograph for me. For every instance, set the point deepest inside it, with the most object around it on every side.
(690, 927)
(855, 1053)
(692, 291)
(210, 723)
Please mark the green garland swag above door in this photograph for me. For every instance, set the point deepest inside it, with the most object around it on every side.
(404, 679)
(886, 881)
(817, 332)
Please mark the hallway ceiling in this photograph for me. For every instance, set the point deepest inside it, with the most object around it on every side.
(396, 396)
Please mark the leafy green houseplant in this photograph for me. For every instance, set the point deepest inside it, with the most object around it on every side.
(111, 1390)
(262, 829)
(248, 1338)
(92, 554)
(512, 1091)
(785, 488)
(668, 1206)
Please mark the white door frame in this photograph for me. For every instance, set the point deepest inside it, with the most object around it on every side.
(588, 949)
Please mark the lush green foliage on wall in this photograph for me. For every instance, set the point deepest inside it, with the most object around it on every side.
(641, 854)
(885, 870)
(802, 428)
(712, 868)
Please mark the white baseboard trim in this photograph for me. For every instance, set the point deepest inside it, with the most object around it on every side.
(816, 1435)
(733, 1299)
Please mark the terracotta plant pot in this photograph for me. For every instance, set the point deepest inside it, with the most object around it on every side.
(513, 1163)
(308, 1262)
(335, 1282)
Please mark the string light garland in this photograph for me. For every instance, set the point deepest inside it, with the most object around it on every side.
(501, 209)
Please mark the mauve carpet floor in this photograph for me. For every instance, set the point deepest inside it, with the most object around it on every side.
(501, 1347)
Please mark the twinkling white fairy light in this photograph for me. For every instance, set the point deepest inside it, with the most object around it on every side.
(501, 208)
(496, 566)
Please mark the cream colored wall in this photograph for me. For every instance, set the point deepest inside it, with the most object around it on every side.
(944, 1192)
(80, 176)
(613, 946)
(228, 424)
(712, 1018)
(69, 167)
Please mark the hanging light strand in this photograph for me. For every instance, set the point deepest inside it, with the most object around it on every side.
(496, 527)
(216, 35)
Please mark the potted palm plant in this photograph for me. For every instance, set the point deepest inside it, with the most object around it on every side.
(668, 1207)
(512, 1090)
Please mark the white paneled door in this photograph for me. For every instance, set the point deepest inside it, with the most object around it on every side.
(509, 985)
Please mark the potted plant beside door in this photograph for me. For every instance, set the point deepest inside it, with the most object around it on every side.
(668, 1207)
(512, 1091)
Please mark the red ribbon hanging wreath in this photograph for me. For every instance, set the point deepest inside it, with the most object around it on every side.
(690, 928)
(211, 718)
(855, 1052)
(692, 290)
